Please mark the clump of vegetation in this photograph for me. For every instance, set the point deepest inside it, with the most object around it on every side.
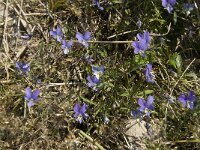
(74, 74)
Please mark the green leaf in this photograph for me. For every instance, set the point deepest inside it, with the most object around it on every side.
(117, 1)
(175, 18)
(192, 75)
(146, 92)
(140, 60)
(127, 11)
(87, 100)
(172, 61)
(178, 63)
(161, 21)
(106, 85)
(103, 53)
(125, 94)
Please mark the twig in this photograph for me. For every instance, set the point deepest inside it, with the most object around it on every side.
(128, 145)
(123, 42)
(174, 88)
(36, 14)
(188, 141)
(21, 51)
(19, 20)
(197, 11)
(5, 41)
(5, 81)
(24, 21)
(168, 29)
(182, 76)
(107, 42)
(56, 84)
(153, 34)
(5, 21)
(123, 33)
(43, 33)
(90, 139)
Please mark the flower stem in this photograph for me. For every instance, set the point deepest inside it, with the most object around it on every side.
(107, 42)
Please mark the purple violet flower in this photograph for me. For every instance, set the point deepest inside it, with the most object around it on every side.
(57, 34)
(143, 44)
(39, 81)
(146, 37)
(80, 112)
(24, 67)
(93, 81)
(148, 73)
(188, 99)
(26, 37)
(97, 3)
(168, 4)
(66, 46)
(31, 97)
(88, 59)
(98, 70)
(149, 128)
(136, 113)
(146, 105)
(83, 38)
(187, 7)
